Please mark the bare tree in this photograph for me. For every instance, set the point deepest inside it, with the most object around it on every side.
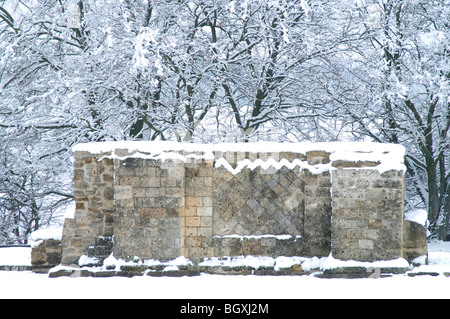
(399, 94)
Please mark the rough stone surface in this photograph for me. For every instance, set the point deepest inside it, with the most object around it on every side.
(367, 207)
(148, 208)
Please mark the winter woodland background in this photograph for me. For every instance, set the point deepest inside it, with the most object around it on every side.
(213, 70)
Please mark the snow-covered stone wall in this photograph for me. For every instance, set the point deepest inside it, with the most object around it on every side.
(162, 200)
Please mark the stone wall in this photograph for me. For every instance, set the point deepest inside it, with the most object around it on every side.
(165, 200)
(46, 255)
(149, 202)
(367, 220)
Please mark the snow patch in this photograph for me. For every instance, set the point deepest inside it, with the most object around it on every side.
(438, 258)
(307, 263)
(331, 263)
(171, 268)
(271, 163)
(279, 237)
(390, 156)
(421, 260)
(86, 260)
(113, 262)
(256, 262)
(313, 263)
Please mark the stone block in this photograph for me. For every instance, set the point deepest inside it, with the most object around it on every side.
(170, 182)
(194, 201)
(191, 231)
(205, 231)
(46, 255)
(193, 221)
(207, 201)
(174, 192)
(153, 212)
(123, 192)
(190, 211)
(155, 192)
(149, 181)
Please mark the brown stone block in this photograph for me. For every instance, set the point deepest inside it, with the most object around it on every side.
(153, 212)
(173, 212)
(108, 193)
(76, 242)
(192, 172)
(190, 211)
(107, 162)
(193, 221)
(193, 241)
(318, 157)
(194, 201)
(88, 160)
(107, 178)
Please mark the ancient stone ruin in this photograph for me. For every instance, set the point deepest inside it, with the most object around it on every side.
(161, 201)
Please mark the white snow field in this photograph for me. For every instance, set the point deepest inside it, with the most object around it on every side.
(25, 284)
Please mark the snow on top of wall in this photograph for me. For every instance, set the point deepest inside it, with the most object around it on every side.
(390, 156)
(38, 236)
(419, 216)
(302, 147)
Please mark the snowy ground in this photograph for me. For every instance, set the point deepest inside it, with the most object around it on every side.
(25, 284)
(29, 285)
